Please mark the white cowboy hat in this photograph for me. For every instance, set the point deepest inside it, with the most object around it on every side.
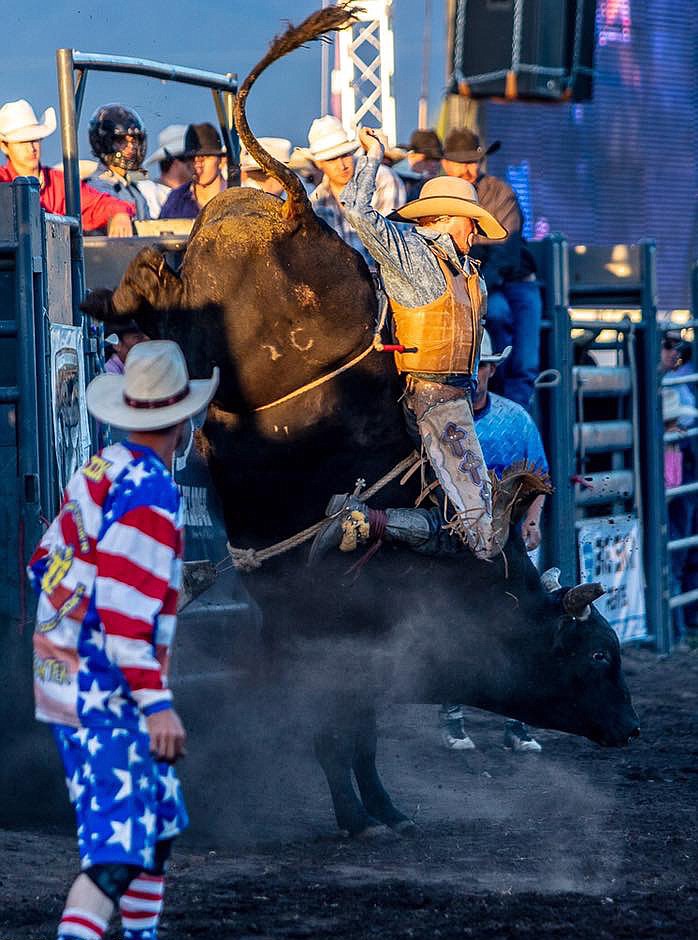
(673, 408)
(450, 195)
(486, 353)
(327, 139)
(154, 392)
(277, 147)
(170, 144)
(18, 123)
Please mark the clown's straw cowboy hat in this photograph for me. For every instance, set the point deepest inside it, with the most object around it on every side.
(487, 356)
(449, 195)
(154, 392)
(19, 123)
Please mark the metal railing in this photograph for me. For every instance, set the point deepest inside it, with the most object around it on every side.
(629, 433)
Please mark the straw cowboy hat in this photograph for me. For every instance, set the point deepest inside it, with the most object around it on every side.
(170, 144)
(449, 195)
(19, 124)
(463, 146)
(154, 392)
(327, 139)
(278, 147)
(487, 356)
(673, 408)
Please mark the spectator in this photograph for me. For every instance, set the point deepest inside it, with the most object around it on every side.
(514, 305)
(254, 177)
(422, 162)
(107, 575)
(175, 168)
(21, 133)
(677, 417)
(119, 141)
(121, 337)
(202, 144)
(332, 151)
(507, 434)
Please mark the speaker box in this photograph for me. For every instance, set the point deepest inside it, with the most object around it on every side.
(555, 40)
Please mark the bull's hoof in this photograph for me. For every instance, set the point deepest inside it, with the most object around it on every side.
(405, 828)
(378, 833)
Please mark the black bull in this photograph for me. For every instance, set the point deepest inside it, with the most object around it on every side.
(412, 628)
(272, 296)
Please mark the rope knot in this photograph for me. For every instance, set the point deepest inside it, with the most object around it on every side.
(244, 559)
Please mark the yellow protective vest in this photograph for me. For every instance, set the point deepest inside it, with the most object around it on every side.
(446, 332)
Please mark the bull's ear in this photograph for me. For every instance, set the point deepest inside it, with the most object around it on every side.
(578, 600)
(565, 636)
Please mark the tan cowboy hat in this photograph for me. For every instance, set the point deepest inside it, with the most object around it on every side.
(154, 392)
(449, 195)
(277, 147)
(19, 124)
(489, 357)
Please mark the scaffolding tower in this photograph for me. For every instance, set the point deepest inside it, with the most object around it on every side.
(362, 92)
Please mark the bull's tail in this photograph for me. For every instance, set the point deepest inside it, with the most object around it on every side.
(314, 27)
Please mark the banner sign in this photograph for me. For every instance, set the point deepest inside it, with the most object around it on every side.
(610, 551)
(71, 429)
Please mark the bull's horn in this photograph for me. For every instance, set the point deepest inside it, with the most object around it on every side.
(550, 580)
(577, 601)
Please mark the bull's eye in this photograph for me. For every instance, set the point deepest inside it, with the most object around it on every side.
(600, 656)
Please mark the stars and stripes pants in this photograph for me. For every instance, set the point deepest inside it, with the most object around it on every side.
(124, 800)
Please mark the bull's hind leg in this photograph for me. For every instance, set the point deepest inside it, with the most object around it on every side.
(373, 794)
(335, 748)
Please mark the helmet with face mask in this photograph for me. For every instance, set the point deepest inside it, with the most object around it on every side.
(109, 126)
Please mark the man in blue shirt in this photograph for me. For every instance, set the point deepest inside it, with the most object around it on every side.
(507, 434)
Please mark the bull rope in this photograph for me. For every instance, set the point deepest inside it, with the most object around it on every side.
(249, 559)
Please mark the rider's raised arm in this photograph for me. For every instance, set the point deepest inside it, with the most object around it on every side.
(403, 255)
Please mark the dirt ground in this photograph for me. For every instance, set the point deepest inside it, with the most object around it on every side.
(575, 842)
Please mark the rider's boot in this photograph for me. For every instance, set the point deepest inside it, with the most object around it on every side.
(352, 523)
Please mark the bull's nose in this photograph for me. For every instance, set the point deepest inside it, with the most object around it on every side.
(635, 733)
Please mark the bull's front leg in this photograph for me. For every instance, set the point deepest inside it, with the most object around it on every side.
(335, 749)
(373, 794)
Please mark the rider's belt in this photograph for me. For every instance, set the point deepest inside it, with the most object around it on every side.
(446, 333)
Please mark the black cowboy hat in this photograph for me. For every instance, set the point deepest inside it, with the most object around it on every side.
(463, 146)
(426, 142)
(202, 140)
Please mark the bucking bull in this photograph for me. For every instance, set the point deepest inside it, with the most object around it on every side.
(280, 303)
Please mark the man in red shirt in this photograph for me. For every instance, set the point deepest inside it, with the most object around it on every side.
(21, 134)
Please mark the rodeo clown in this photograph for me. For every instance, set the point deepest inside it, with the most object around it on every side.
(437, 300)
(107, 574)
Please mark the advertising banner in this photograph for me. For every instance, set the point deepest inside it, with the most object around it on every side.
(610, 551)
(71, 428)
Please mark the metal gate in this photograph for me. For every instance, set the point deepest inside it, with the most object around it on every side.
(602, 423)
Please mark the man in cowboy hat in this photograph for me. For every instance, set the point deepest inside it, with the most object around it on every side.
(436, 299)
(203, 146)
(175, 167)
(422, 161)
(121, 336)
(332, 151)
(107, 574)
(21, 133)
(514, 306)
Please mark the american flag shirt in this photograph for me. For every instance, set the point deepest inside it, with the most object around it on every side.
(107, 574)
